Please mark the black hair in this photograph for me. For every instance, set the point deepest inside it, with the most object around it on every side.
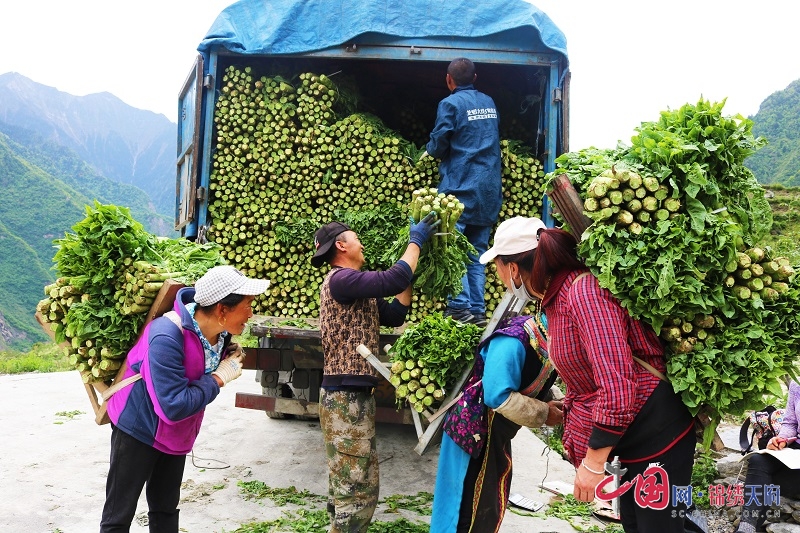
(462, 70)
(524, 260)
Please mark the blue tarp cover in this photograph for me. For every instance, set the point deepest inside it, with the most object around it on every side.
(299, 26)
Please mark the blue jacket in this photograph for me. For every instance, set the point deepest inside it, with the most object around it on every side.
(466, 138)
(165, 408)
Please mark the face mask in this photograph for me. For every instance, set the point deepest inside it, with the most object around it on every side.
(521, 292)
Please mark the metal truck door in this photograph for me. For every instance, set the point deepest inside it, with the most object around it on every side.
(189, 102)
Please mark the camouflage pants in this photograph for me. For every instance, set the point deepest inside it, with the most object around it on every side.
(347, 420)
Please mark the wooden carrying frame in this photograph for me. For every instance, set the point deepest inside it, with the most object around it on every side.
(163, 302)
(569, 204)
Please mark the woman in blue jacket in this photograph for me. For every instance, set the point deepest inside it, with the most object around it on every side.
(509, 387)
(175, 369)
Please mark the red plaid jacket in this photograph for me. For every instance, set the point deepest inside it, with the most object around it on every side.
(592, 340)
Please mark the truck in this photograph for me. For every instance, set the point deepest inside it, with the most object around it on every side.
(395, 54)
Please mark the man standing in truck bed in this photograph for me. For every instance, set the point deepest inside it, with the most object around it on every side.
(352, 309)
(466, 138)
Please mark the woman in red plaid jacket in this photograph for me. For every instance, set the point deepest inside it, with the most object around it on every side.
(617, 402)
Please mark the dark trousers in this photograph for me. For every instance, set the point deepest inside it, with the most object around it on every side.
(677, 462)
(488, 480)
(763, 469)
(134, 464)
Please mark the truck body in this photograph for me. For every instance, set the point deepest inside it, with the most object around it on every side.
(397, 53)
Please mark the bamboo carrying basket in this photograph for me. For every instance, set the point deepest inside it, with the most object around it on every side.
(94, 389)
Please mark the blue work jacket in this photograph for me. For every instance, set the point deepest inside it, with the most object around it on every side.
(466, 138)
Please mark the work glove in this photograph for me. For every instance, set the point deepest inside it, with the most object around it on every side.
(229, 368)
(524, 411)
(422, 230)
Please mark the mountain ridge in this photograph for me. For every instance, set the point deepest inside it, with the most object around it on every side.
(126, 144)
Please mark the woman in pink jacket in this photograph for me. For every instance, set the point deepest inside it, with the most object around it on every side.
(177, 367)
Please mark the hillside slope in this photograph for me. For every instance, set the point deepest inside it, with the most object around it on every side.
(778, 121)
(128, 145)
(66, 166)
(785, 235)
(22, 279)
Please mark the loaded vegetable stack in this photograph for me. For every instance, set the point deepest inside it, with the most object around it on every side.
(429, 357)
(110, 271)
(443, 260)
(293, 154)
(676, 237)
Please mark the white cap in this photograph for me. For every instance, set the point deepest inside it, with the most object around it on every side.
(221, 281)
(514, 236)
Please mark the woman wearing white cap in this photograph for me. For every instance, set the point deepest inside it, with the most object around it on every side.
(175, 369)
(509, 388)
(618, 402)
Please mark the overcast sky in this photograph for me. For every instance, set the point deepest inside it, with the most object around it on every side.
(629, 59)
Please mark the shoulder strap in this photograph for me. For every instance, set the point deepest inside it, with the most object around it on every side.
(650, 368)
(579, 276)
(174, 318)
(113, 389)
(744, 442)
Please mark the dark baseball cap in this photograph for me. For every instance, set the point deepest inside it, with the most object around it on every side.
(324, 239)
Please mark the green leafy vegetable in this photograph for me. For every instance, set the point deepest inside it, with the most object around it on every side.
(442, 346)
(111, 270)
(443, 259)
(677, 223)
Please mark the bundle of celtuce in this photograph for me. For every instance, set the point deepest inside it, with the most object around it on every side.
(110, 271)
(628, 199)
(677, 223)
(429, 357)
(413, 383)
(293, 154)
(443, 260)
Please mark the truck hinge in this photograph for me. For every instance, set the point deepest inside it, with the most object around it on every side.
(557, 94)
(201, 194)
(414, 50)
(208, 81)
(353, 48)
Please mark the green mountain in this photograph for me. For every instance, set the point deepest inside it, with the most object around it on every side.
(59, 153)
(67, 166)
(125, 144)
(778, 121)
(36, 209)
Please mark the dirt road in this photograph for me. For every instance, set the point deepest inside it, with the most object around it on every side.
(53, 468)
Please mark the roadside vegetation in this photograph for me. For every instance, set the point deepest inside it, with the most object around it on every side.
(43, 357)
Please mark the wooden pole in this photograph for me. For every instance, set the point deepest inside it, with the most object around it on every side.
(569, 204)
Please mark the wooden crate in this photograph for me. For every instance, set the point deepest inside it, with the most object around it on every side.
(95, 389)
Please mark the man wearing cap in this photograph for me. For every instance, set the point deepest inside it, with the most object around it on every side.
(466, 137)
(353, 307)
(176, 368)
(510, 387)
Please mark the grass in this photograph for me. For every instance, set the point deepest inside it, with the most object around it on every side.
(316, 520)
(43, 357)
(49, 357)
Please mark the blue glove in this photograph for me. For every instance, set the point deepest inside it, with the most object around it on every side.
(422, 230)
